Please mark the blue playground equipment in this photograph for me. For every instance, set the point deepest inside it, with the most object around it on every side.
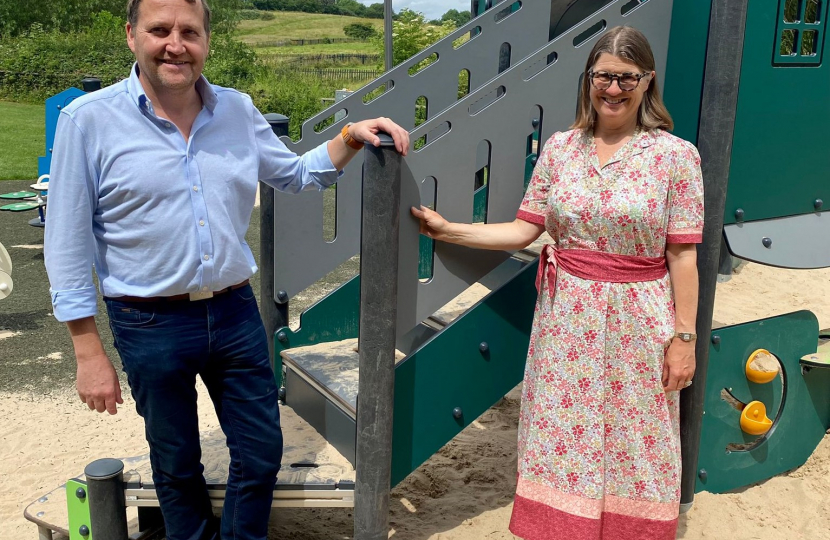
(30, 200)
(446, 334)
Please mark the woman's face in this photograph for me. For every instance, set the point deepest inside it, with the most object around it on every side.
(617, 107)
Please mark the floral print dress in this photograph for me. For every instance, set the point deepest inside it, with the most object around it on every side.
(599, 441)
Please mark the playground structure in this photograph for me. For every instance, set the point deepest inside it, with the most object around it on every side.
(36, 200)
(447, 332)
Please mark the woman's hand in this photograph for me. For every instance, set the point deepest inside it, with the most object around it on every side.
(432, 224)
(679, 365)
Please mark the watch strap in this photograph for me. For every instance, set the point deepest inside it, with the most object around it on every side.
(350, 141)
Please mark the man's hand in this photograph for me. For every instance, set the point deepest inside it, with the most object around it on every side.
(97, 384)
(366, 131)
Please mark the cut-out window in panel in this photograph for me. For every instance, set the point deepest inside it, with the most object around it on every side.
(504, 57)
(423, 64)
(813, 11)
(809, 43)
(630, 6)
(322, 125)
(487, 100)
(539, 66)
(791, 11)
(800, 33)
(592, 31)
(433, 135)
(481, 182)
(378, 91)
(509, 10)
(330, 214)
(426, 246)
(421, 113)
(533, 142)
(463, 83)
(788, 40)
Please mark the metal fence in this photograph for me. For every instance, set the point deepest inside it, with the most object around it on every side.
(300, 41)
(313, 59)
(341, 73)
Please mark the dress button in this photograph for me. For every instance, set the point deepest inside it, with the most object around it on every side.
(207, 257)
(202, 222)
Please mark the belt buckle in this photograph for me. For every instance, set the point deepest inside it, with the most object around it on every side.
(200, 295)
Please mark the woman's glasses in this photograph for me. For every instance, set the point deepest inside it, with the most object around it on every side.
(601, 80)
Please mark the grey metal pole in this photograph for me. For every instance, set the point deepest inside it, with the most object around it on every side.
(378, 314)
(387, 34)
(717, 124)
(274, 308)
(107, 506)
(90, 84)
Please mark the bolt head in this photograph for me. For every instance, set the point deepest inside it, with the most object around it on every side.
(703, 475)
(80, 493)
(282, 337)
(282, 296)
(715, 339)
(83, 530)
(767, 242)
(457, 413)
(534, 123)
(818, 203)
(483, 347)
(739, 214)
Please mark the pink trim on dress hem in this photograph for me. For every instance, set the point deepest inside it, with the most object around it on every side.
(533, 520)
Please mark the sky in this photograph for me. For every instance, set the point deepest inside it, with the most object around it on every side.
(433, 9)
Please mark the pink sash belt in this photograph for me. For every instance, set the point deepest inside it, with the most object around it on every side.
(596, 266)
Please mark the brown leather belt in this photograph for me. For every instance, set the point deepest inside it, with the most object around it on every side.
(178, 297)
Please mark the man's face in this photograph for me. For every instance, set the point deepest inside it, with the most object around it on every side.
(170, 44)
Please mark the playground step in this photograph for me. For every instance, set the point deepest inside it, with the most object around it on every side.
(313, 474)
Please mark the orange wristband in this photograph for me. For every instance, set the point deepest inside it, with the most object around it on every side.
(349, 140)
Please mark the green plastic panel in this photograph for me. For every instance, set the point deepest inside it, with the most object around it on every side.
(450, 371)
(800, 407)
(683, 83)
(780, 163)
(78, 510)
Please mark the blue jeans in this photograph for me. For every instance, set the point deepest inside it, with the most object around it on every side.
(163, 347)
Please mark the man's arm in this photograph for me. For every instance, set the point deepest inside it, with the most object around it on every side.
(96, 382)
(68, 247)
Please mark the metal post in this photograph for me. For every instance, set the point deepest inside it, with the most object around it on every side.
(274, 308)
(387, 35)
(717, 122)
(378, 314)
(107, 507)
(91, 84)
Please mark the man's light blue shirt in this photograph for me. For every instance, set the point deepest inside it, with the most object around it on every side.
(158, 215)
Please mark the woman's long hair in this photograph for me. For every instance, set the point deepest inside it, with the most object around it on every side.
(630, 44)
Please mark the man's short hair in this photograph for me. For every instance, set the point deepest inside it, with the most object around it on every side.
(132, 12)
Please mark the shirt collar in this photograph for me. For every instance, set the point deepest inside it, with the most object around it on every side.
(209, 97)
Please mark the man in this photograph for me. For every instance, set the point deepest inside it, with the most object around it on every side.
(154, 180)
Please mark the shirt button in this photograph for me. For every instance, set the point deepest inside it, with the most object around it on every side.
(202, 222)
(207, 257)
(167, 124)
(195, 188)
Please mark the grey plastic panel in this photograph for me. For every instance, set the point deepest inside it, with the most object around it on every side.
(794, 242)
(505, 123)
(301, 254)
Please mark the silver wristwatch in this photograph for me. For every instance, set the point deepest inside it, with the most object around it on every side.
(685, 336)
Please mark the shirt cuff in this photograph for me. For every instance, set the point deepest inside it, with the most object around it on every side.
(318, 163)
(73, 304)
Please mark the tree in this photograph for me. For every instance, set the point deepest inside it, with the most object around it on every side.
(375, 11)
(411, 34)
(361, 31)
(460, 18)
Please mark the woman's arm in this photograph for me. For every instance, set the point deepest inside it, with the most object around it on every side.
(679, 365)
(497, 236)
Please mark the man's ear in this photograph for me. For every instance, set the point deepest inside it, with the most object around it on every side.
(130, 36)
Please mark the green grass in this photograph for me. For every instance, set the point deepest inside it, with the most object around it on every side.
(294, 25)
(22, 140)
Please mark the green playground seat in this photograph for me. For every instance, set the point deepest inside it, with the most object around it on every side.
(20, 206)
(18, 195)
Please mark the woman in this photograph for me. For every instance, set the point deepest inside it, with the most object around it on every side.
(613, 333)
